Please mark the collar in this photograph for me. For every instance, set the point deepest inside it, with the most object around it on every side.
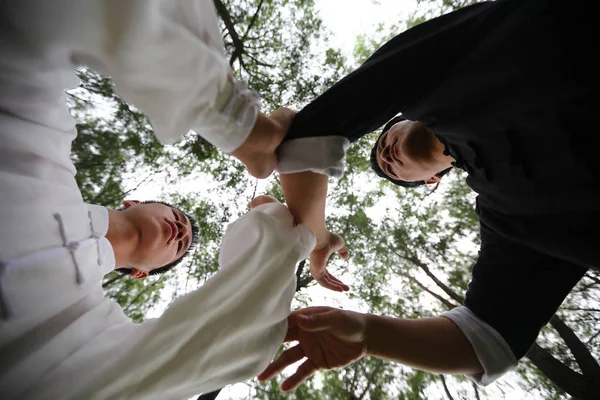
(99, 221)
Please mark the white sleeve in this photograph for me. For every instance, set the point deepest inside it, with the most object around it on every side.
(228, 330)
(324, 155)
(491, 349)
(165, 57)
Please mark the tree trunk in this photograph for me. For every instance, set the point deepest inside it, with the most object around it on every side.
(588, 364)
(573, 383)
(581, 387)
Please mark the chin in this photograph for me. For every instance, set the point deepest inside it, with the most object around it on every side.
(419, 145)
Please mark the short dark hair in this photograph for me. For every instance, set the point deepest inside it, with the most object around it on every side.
(193, 243)
(379, 171)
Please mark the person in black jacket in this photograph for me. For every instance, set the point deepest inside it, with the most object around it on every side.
(505, 91)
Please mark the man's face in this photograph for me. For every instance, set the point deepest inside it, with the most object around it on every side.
(163, 234)
(406, 152)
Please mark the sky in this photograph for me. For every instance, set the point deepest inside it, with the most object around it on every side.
(345, 19)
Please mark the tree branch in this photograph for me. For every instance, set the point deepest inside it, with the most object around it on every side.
(580, 309)
(146, 289)
(448, 304)
(235, 38)
(446, 387)
(252, 21)
(111, 281)
(476, 389)
(370, 379)
(588, 364)
(592, 338)
(440, 284)
(415, 260)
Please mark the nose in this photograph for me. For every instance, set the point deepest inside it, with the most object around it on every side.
(182, 230)
(386, 156)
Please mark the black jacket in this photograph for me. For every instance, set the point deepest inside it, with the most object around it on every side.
(509, 88)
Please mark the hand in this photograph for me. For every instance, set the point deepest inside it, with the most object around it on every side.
(329, 338)
(318, 261)
(258, 151)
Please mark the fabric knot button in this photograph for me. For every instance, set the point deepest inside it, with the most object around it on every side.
(72, 246)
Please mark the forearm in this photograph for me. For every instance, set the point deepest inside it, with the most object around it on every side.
(305, 194)
(430, 344)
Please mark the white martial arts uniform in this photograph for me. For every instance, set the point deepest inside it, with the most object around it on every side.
(60, 338)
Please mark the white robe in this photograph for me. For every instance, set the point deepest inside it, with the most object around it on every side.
(60, 338)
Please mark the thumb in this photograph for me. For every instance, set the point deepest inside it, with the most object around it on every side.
(317, 322)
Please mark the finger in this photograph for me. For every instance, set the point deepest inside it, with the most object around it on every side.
(327, 284)
(285, 359)
(332, 283)
(336, 281)
(344, 253)
(304, 372)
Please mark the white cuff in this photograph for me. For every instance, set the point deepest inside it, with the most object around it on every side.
(493, 352)
(237, 109)
(320, 154)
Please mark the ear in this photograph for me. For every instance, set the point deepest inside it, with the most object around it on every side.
(137, 274)
(433, 179)
(129, 203)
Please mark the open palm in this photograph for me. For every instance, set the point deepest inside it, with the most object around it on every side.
(318, 262)
(327, 337)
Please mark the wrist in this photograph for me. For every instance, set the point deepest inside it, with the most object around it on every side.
(322, 236)
(370, 335)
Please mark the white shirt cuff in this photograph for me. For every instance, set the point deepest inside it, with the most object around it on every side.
(320, 154)
(237, 109)
(493, 352)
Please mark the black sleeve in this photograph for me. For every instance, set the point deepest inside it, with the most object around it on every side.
(516, 289)
(397, 74)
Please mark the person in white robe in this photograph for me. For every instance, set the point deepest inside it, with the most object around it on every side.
(60, 338)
